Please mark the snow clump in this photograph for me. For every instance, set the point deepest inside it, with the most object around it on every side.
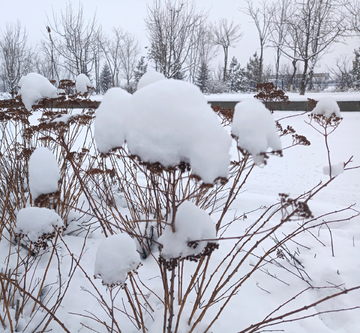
(150, 77)
(327, 106)
(82, 83)
(170, 122)
(115, 257)
(191, 224)
(255, 128)
(34, 87)
(336, 169)
(43, 172)
(34, 222)
(110, 119)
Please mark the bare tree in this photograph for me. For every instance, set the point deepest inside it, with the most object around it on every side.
(203, 51)
(225, 35)
(16, 58)
(75, 39)
(314, 25)
(279, 31)
(129, 53)
(121, 51)
(170, 28)
(262, 17)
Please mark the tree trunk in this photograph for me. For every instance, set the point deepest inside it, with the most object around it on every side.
(293, 75)
(226, 51)
(304, 79)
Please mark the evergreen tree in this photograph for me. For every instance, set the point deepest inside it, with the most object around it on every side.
(236, 78)
(140, 69)
(252, 72)
(355, 72)
(203, 77)
(105, 79)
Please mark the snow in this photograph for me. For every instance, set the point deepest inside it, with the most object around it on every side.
(327, 106)
(34, 87)
(82, 83)
(110, 122)
(115, 257)
(150, 77)
(191, 224)
(35, 222)
(43, 172)
(336, 169)
(255, 128)
(171, 122)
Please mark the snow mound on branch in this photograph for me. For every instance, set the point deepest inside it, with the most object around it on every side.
(110, 119)
(150, 77)
(327, 106)
(255, 128)
(191, 224)
(34, 87)
(43, 172)
(82, 83)
(336, 169)
(35, 222)
(170, 122)
(115, 257)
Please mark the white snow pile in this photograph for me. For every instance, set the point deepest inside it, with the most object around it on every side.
(191, 224)
(150, 77)
(43, 172)
(336, 169)
(34, 87)
(82, 83)
(110, 119)
(255, 128)
(327, 106)
(170, 121)
(35, 222)
(115, 257)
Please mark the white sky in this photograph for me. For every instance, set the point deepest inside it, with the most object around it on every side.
(130, 15)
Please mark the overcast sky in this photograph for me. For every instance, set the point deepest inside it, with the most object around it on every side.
(130, 15)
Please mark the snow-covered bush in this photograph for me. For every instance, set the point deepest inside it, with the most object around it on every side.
(43, 172)
(82, 83)
(34, 87)
(176, 249)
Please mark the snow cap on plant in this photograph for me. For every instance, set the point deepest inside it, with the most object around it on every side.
(34, 87)
(327, 106)
(34, 222)
(115, 258)
(191, 224)
(43, 172)
(255, 129)
(151, 76)
(170, 122)
(111, 118)
(82, 83)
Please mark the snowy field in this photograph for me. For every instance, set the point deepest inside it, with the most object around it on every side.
(321, 259)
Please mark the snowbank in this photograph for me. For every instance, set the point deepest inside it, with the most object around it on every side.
(327, 106)
(115, 257)
(35, 222)
(110, 119)
(255, 128)
(43, 172)
(82, 83)
(171, 122)
(33, 87)
(191, 224)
